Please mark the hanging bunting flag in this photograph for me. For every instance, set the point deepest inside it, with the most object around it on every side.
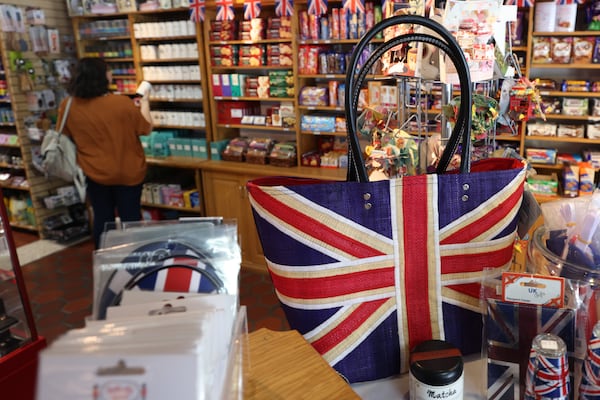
(524, 3)
(284, 8)
(317, 7)
(354, 6)
(225, 10)
(251, 9)
(197, 10)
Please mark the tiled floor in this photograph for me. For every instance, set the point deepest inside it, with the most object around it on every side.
(60, 288)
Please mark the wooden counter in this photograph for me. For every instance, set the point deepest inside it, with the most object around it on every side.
(285, 366)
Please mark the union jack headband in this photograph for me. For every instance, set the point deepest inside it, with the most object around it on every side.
(164, 266)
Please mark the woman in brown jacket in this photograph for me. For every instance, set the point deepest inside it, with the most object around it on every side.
(105, 128)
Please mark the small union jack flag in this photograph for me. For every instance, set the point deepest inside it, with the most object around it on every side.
(225, 10)
(520, 3)
(354, 6)
(317, 7)
(197, 10)
(251, 9)
(284, 8)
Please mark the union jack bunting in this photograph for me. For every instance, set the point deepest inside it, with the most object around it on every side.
(510, 329)
(284, 8)
(354, 6)
(365, 271)
(521, 3)
(570, 1)
(317, 7)
(161, 266)
(251, 9)
(197, 8)
(224, 10)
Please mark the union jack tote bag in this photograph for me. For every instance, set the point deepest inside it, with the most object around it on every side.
(365, 270)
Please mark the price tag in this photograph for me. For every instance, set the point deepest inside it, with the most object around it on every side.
(533, 289)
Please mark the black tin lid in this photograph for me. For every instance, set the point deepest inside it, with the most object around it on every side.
(436, 363)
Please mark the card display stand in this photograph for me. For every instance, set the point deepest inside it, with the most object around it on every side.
(19, 341)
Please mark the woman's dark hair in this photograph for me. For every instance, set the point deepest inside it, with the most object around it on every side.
(89, 79)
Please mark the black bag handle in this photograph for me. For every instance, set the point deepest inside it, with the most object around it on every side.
(355, 77)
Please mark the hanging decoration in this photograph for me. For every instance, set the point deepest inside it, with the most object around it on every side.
(225, 10)
(485, 114)
(251, 9)
(284, 8)
(197, 8)
(355, 6)
(317, 7)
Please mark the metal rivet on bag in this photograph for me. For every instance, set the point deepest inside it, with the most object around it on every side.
(367, 196)
(465, 186)
(368, 206)
(465, 197)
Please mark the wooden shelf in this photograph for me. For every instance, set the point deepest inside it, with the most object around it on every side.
(261, 41)
(196, 210)
(254, 98)
(250, 68)
(322, 76)
(322, 108)
(582, 118)
(568, 66)
(22, 226)
(257, 127)
(317, 133)
(557, 93)
(563, 139)
(117, 59)
(568, 34)
(165, 39)
(158, 100)
(176, 81)
(169, 61)
(508, 138)
(334, 41)
(176, 162)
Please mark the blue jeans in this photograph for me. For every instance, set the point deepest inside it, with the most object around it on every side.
(110, 200)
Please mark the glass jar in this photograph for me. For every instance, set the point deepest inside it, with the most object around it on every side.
(542, 261)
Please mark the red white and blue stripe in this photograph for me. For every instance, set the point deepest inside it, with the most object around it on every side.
(520, 3)
(284, 8)
(197, 8)
(251, 9)
(354, 6)
(224, 10)
(590, 373)
(408, 267)
(317, 7)
(547, 377)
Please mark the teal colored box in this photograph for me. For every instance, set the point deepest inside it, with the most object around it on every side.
(160, 143)
(180, 147)
(199, 148)
(216, 148)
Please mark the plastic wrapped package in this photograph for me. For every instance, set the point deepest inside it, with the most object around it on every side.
(189, 257)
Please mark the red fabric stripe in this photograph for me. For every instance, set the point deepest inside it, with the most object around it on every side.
(416, 254)
(338, 285)
(476, 262)
(347, 326)
(469, 289)
(314, 227)
(486, 221)
(178, 279)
